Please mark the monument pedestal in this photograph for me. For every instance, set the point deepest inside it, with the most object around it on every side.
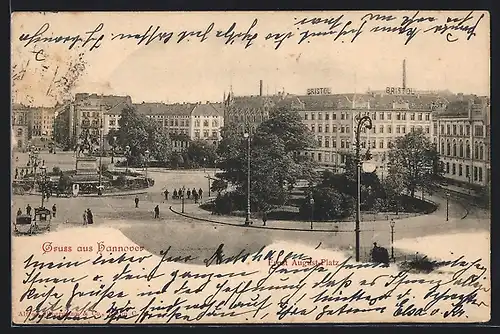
(86, 166)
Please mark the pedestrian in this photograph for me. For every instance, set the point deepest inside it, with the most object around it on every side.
(90, 217)
(85, 218)
(54, 209)
(19, 212)
(157, 212)
(166, 194)
(175, 193)
(28, 210)
(188, 193)
(264, 218)
(219, 254)
(200, 193)
(136, 200)
(195, 198)
(194, 193)
(17, 174)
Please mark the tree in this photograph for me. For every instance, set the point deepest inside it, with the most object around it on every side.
(218, 186)
(412, 161)
(202, 153)
(275, 167)
(142, 134)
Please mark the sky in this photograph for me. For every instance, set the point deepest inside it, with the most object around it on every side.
(191, 71)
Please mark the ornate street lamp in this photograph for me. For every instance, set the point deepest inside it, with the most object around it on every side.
(246, 135)
(182, 197)
(127, 155)
(365, 121)
(447, 205)
(147, 163)
(311, 202)
(43, 175)
(392, 224)
(113, 149)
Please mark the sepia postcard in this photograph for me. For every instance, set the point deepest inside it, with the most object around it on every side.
(250, 167)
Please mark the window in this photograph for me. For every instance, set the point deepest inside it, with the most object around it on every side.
(398, 116)
(448, 148)
(453, 169)
(412, 129)
(467, 171)
(320, 141)
(389, 129)
(447, 168)
(467, 149)
(480, 169)
(320, 116)
(412, 116)
(478, 131)
(381, 129)
(467, 130)
(403, 129)
(334, 128)
(327, 116)
(347, 129)
(197, 133)
(313, 128)
(342, 129)
(196, 123)
(176, 123)
(481, 152)
(327, 141)
(319, 157)
(306, 116)
(19, 132)
(442, 129)
(454, 148)
(475, 173)
(381, 116)
(374, 144)
(215, 123)
(476, 151)
(448, 132)
(205, 123)
(334, 143)
(342, 143)
(327, 127)
(342, 116)
(334, 116)
(186, 122)
(389, 116)
(320, 128)
(427, 129)
(214, 134)
(461, 131)
(460, 171)
(205, 134)
(420, 116)
(381, 143)
(461, 150)
(313, 116)
(427, 116)
(403, 116)
(374, 129)
(454, 130)
(374, 116)
(442, 148)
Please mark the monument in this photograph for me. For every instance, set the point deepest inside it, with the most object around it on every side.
(87, 176)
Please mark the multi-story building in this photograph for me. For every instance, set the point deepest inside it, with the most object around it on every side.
(207, 121)
(41, 125)
(19, 117)
(463, 138)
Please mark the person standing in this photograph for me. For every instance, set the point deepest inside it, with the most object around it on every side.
(54, 210)
(19, 212)
(194, 193)
(166, 194)
(157, 212)
(264, 218)
(28, 210)
(195, 198)
(85, 218)
(200, 193)
(188, 193)
(90, 217)
(136, 200)
(175, 193)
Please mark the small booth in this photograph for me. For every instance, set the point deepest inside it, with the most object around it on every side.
(42, 219)
(24, 225)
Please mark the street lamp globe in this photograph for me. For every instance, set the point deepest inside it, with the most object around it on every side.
(369, 167)
(246, 135)
(311, 201)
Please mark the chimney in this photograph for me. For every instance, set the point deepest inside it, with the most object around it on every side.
(404, 73)
(261, 85)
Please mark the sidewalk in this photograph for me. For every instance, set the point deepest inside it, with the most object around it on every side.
(113, 194)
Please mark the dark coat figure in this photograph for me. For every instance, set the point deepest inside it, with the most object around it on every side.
(200, 193)
(219, 254)
(166, 194)
(379, 254)
(188, 193)
(264, 218)
(136, 200)
(157, 212)
(195, 196)
(28, 210)
(54, 210)
(90, 217)
(17, 174)
(19, 212)
(175, 193)
(194, 193)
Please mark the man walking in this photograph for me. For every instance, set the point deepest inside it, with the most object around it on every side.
(188, 193)
(200, 193)
(54, 210)
(157, 212)
(136, 200)
(28, 210)
(19, 212)
(166, 194)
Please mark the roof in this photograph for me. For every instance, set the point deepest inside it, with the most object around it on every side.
(147, 108)
(207, 109)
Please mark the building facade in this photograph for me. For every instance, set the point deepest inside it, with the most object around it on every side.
(19, 122)
(206, 122)
(463, 138)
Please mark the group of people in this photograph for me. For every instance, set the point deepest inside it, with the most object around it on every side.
(88, 217)
(189, 194)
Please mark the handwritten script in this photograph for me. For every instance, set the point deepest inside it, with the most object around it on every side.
(267, 286)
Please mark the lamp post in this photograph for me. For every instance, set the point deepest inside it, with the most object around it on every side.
(204, 164)
(101, 153)
(113, 150)
(147, 163)
(42, 182)
(246, 135)
(392, 223)
(127, 155)
(367, 122)
(311, 201)
(182, 197)
(447, 205)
